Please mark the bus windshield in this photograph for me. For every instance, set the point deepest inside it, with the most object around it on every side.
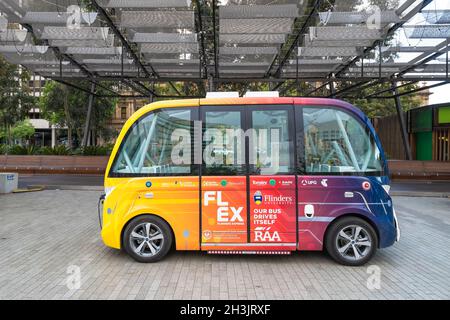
(336, 142)
(148, 147)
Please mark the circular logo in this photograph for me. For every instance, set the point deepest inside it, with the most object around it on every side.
(207, 234)
(257, 198)
(223, 183)
(272, 182)
(148, 184)
(366, 185)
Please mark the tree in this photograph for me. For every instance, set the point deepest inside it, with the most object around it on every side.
(67, 107)
(15, 97)
(384, 107)
(23, 130)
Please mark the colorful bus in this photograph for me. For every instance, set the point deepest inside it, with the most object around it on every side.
(248, 176)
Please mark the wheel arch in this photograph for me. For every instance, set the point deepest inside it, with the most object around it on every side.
(355, 215)
(147, 214)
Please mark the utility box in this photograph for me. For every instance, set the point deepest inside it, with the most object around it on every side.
(8, 182)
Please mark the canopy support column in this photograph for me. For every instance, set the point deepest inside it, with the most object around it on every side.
(332, 89)
(88, 116)
(401, 120)
(211, 83)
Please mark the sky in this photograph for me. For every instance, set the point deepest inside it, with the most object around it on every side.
(440, 94)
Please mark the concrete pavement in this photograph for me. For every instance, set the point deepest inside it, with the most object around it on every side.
(50, 239)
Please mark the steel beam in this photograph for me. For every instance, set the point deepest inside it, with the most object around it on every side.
(401, 120)
(412, 91)
(390, 89)
(216, 62)
(296, 41)
(87, 126)
(102, 12)
(390, 32)
(203, 59)
(354, 86)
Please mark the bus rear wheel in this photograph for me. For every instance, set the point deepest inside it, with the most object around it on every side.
(147, 239)
(351, 241)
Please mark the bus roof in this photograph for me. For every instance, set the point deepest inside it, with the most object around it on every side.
(247, 101)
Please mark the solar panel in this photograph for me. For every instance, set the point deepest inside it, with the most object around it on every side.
(3, 24)
(176, 69)
(13, 35)
(252, 38)
(93, 50)
(169, 48)
(82, 33)
(428, 31)
(317, 61)
(160, 37)
(56, 18)
(248, 50)
(258, 11)
(108, 61)
(244, 64)
(339, 17)
(173, 61)
(328, 51)
(343, 33)
(436, 16)
(109, 42)
(28, 48)
(157, 19)
(169, 36)
(336, 43)
(248, 26)
(242, 71)
(147, 3)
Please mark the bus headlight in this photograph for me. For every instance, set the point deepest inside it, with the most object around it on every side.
(101, 200)
(397, 227)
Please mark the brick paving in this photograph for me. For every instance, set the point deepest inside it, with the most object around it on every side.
(43, 234)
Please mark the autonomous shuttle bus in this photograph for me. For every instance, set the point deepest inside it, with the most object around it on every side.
(248, 175)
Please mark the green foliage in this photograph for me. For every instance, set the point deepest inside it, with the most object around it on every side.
(60, 150)
(23, 130)
(67, 107)
(15, 95)
(19, 150)
(383, 107)
(95, 150)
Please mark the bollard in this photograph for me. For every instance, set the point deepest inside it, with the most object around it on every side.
(8, 182)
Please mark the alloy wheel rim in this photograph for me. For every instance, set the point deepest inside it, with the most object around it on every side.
(353, 242)
(146, 239)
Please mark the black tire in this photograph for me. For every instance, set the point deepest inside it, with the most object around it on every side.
(157, 224)
(334, 241)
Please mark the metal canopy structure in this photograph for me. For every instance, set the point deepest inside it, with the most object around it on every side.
(283, 42)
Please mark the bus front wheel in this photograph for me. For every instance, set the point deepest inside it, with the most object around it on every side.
(351, 241)
(147, 239)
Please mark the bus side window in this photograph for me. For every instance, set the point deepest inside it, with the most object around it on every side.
(336, 142)
(158, 144)
(223, 142)
(271, 151)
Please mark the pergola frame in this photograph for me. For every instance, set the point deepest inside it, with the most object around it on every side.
(254, 55)
(147, 73)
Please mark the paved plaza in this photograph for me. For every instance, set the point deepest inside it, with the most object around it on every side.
(47, 237)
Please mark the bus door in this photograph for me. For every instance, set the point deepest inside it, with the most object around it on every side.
(224, 178)
(272, 182)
